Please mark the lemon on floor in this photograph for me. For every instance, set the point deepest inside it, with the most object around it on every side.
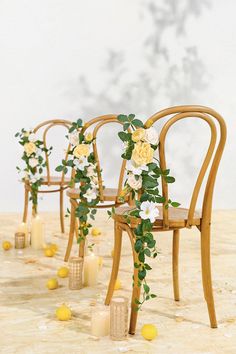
(149, 331)
(118, 284)
(6, 245)
(63, 272)
(52, 284)
(63, 313)
(96, 231)
(48, 252)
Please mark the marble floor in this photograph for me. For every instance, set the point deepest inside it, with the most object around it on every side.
(27, 309)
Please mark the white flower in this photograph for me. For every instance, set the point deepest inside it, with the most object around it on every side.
(32, 137)
(151, 136)
(133, 182)
(39, 151)
(137, 170)
(149, 211)
(90, 195)
(34, 178)
(91, 171)
(74, 138)
(81, 163)
(33, 162)
(94, 181)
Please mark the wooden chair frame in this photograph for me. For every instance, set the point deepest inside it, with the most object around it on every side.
(168, 221)
(98, 122)
(48, 179)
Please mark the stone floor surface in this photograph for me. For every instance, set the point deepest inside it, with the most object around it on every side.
(27, 308)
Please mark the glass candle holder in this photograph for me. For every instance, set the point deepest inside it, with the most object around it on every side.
(119, 318)
(19, 240)
(75, 273)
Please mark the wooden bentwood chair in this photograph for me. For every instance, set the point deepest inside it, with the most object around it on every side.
(105, 194)
(60, 182)
(178, 218)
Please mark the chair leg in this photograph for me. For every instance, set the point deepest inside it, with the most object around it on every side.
(206, 274)
(136, 288)
(62, 211)
(175, 264)
(26, 203)
(81, 247)
(116, 262)
(71, 233)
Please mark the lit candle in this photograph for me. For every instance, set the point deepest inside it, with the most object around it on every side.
(91, 266)
(24, 229)
(100, 322)
(37, 234)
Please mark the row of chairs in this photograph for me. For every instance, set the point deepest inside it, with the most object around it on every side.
(173, 219)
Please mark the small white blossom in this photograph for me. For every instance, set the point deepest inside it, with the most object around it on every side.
(74, 138)
(149, 211)
(81, 163)
(151, 136)
(39, 152)
(133, 182)
(34, 178)
(94, 181)
(90, 195)
(137, 170)
(91, 171)
(33, 162)
(32, 137)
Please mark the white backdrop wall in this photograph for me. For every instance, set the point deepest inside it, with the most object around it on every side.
(70, 59)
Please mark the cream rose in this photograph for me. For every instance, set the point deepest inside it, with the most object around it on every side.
(81, 150)
(138, 135)
(29, 148)
(142, 154)
(88, 137)
(133, 182)
(74, 138)
(151, 136)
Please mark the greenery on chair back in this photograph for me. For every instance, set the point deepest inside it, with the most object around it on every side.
(144, 172)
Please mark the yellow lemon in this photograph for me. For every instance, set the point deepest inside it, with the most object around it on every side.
(6, 245)
(149, 331)
(112, 253)
(100, 261)
(48, 252)
(63, 313)
(96, 231)
(53, 247)
(52, 284)
(63, 272)
(118, 284)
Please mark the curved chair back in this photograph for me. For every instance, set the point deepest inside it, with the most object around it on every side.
(211, 160)
(46, 127)
(96, 124)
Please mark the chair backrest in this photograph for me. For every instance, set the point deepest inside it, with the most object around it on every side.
(46, 126)
(95, 125)
(211, 160)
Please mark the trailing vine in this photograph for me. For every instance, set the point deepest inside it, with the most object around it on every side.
(34, 160)
(143, 174)
(81, 159)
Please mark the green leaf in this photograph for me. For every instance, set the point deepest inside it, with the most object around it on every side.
(146, 288)
(59, 168)
(147, 252)
(131, 117)
(137, 123)
(126, 126)
(169, 179)
(175, 204)
(123, 136)
(122, 118)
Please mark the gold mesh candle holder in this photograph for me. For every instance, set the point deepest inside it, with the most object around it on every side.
(19, 240)
(75, 273)
(119, 318)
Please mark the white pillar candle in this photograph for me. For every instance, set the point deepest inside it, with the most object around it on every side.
(22, 227)
(100, 322)
(37, 233)
(91, 267)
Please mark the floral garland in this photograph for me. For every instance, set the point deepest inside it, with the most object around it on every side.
(34, 162)
(140, 144)
(82, 160)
